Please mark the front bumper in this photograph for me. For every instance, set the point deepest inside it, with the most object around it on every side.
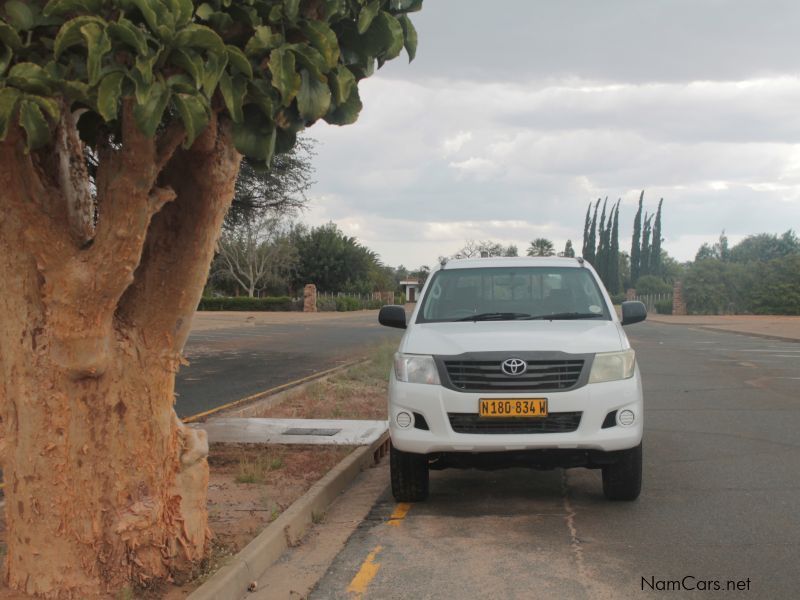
(594, 401)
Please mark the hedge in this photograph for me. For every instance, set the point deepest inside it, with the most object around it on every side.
(280, 303)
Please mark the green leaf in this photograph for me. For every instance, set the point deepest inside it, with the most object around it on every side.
(314, 97)
(260, 93)
(405, 5)
(48, 105)
(182, 84)
(194, 113)
(156, 15)
(98, 45)
(63, 7)
(129, 34)
(37, 131)
(322, 37)
(255, 137)
(77, 91)
(342, 81)
(9, 97)
(6, 56)
(239, 61)
(200, 36)
(204, 11)
(19, 15)
(108, 95)
(9, 36)
(233, 91)
(367, 14)
(31, 78)
(148, 114)
(409, 36)
(263, 40)
(212, 71)
(183, 11)
(191, 63)
(346, 113)
(70, 33)
(284, 77)
(385, 37)
(291, 8)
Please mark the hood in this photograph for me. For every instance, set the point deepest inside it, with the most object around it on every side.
(573, 337)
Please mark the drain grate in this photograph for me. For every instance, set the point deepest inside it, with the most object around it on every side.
(311, 431)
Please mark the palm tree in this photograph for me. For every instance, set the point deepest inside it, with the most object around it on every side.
(541, 247)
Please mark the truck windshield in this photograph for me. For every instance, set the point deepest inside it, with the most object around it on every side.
(512, 293)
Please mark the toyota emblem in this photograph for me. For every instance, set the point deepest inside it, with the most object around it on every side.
(514, 366)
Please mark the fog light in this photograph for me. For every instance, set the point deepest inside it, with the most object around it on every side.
(403, 419)
(626, 417)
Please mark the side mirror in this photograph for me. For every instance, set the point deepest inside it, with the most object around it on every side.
(392, 315)
(633, 311)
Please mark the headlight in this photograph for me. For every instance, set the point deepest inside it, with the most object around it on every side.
(612, 366)
(415, 368)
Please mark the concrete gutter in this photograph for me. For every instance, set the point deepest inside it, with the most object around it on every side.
(232, 580)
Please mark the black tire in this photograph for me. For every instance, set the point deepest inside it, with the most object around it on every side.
(622, 480)
(409, 475)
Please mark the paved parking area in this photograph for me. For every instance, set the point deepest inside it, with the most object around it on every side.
(720, 500)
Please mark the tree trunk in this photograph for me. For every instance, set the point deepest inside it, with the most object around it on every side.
(105, 488)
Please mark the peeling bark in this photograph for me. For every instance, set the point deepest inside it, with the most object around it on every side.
(104, 486)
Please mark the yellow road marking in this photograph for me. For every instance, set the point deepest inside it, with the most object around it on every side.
(399, 514)
(269, 392)
(369, 568)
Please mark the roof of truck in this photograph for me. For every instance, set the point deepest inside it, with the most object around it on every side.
(513, 261)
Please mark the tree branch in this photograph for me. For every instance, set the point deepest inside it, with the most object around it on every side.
(181, 240)
(73, 178)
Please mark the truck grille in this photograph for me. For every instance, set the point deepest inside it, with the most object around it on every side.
(563, 422)
(486, 375)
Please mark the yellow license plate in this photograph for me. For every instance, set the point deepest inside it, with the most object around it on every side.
(513, 407)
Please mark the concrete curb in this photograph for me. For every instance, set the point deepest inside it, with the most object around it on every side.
(231, 581)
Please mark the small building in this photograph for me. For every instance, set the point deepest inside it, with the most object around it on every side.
(411, 288)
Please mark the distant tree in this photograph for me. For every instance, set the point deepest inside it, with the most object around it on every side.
(651, 284)
(422, 274)
(636, 243)
(719, 250)
(601, 255)
(511, 250)
(586, 226)
(541, 247)
(591, 246)
(280, 190)
(644, 257)
(331, 260)
(614, 282)
(655, 245)
(765, 246)
(569, 251)
(255, 254)
(476, 249)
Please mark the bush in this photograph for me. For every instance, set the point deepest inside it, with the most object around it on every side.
(617, 298)
(650, 284)
(664, 307)
(347, 303)
(280, 303)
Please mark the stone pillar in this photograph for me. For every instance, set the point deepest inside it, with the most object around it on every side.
(630, 294)
(310, 298)
(678, 305)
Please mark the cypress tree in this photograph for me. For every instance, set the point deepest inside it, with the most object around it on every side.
(644, 259)
(590, 247)
(586, 225)
(655, 250)
(636, 243)
(569, 251)
(600, 256)
(613, 255)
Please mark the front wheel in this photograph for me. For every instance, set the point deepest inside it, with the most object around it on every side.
(622, 480)
(409, 475)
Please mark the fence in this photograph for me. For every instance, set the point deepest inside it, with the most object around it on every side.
(657, 303)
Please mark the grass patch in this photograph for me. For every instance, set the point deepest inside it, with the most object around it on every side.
(255, 470)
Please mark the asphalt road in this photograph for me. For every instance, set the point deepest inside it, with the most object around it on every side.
(230, 363)
(720, 501)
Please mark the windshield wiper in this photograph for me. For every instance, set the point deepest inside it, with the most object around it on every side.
(566, 316)
(496, 316)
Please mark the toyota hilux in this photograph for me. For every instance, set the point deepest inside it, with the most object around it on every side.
(515, 362)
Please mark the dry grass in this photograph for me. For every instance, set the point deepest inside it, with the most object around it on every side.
(357, 393)
(255, 469)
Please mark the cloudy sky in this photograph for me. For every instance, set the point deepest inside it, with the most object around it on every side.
(517, 113)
